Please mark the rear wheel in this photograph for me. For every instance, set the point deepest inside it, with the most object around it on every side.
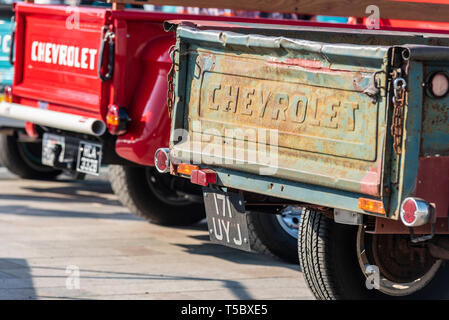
(276, 234)
(344, 262)
(160, 198)
(24, 159)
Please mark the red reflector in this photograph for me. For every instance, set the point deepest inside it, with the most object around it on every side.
(203, 177)
(409, 208)
(161, 160)
(415, 212)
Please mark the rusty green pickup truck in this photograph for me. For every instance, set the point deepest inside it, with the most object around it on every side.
(350, 124)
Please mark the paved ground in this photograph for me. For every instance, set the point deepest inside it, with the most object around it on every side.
(51, 231)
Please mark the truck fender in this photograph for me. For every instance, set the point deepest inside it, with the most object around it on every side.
(149, 128)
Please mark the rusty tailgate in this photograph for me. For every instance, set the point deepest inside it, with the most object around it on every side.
(300, 110)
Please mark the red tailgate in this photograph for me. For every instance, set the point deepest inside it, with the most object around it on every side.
(57, 49)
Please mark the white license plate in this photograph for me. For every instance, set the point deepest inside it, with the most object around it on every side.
(89, 158)
(226, 219)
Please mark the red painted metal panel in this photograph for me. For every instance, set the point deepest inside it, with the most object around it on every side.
(389, 226)
(432, 183)
(411, 25)
(150, 125)
(56, 64)
(415, 24)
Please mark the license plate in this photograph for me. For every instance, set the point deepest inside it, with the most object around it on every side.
(89, 158)
(49, 144)
(226, 219)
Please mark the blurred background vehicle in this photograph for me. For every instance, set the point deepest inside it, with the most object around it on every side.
(19, 155)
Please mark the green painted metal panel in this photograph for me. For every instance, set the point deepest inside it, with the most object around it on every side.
(6, 69)
(322, 97)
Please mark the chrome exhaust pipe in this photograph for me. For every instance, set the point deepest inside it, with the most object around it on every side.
(53, 119)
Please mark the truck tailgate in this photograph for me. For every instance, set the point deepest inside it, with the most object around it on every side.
(56, 53)
(306, 111)
(308, 114)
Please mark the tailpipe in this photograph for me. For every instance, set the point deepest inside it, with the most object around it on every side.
(53, 119)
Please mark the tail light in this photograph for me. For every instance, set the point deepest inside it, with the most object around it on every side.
(203, 177)
(162, 160)
(116, 120)
(30, 129)
(415, 212)
(8, 94)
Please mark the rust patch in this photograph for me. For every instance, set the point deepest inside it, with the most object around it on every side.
(316, 65)
(356, 81)
(371, 181)
(304, 63)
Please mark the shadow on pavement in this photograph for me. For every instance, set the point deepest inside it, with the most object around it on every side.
(239, 290)
(30, 211)
(78, 198)
(97, 185)
(235, 255)
(211, 249)
(74, 198)
(208, 248)
(78, 191)
(16, 281)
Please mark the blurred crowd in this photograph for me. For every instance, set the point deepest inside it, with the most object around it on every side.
(199, 11)
(224, 12)
(241, 13)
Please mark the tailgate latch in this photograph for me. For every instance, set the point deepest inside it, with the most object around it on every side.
(109, 39)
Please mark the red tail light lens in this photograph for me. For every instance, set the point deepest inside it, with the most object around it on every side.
(162, 160)
(409, 207)
(203, 177)
(117, 120)
(415, 212)
(30, 129)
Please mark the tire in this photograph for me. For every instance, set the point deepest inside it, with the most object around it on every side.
(24, 159)
(328, 256)
(268, 236)
(156, 201)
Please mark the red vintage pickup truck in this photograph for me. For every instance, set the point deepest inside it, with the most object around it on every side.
(91, 84)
